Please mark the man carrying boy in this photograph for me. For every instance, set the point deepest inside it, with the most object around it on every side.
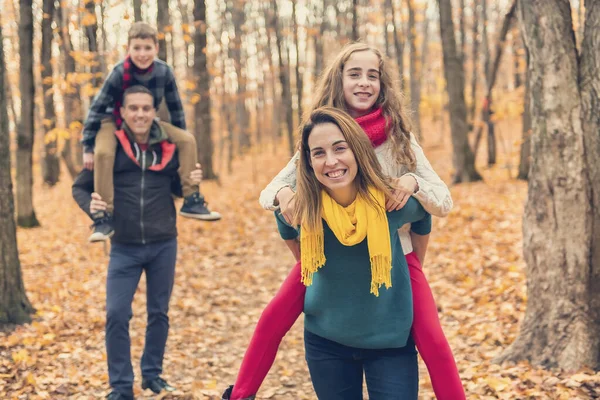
(145, 239)
(140, 67)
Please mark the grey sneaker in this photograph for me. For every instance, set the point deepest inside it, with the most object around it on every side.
(103, 227)
(195, 207)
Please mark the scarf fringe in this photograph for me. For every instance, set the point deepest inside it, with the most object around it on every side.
(312, 255)
(381, 273)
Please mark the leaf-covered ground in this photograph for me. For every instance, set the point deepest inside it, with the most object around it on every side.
(228, 271)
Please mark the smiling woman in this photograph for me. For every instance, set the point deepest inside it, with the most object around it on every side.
(349, 245)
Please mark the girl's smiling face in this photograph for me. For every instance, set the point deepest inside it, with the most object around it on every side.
(361, 84)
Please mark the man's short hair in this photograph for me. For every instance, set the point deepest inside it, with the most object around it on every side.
(136, 89)
(142, 30)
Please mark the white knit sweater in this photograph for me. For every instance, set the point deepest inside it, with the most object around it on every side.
(433, 193)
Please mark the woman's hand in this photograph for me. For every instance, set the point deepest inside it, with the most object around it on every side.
(404, 187)
(286, 198)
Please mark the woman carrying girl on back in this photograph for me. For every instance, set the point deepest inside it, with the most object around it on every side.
(359, 81)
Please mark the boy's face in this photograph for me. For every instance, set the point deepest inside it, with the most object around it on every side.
(142, 52)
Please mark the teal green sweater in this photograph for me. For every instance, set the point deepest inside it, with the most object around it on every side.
(339, 306)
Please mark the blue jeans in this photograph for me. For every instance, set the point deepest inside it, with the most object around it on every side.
(124, 271)
(337, 370)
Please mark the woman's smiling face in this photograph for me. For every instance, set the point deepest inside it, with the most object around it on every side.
(333, 162)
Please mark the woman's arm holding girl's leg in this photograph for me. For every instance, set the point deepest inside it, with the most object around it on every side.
(276, 320)
(419, 243)
(430, 339)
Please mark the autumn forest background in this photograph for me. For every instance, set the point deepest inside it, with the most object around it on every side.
(503, 96)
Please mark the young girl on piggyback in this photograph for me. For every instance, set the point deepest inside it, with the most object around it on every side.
(359, 81)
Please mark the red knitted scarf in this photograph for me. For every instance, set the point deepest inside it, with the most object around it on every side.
(129, 68)
(374, 125)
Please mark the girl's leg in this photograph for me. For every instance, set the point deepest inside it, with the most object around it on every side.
(392, 374)
(104, 162)
(188, 155)
(429, 337)
(275, 321)
(336, 370)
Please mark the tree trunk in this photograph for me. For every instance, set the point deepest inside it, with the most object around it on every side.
(14, 305)
(462, 156)
(525, 156)
(560, 228)
(298, 72)
(415, 81)
(318, 39)
(204, 141)
(399, 47)
(50, 162)
(463, 34)
(355, 34)
(25, 213)
(516, 50)
(137, 10)
(91, 32)
(387, 12)
(284, 80)
(487, 116)
(474, 64)
(239, 19)
(162, 24)
(71, 94)
(491, 74)
(275, 123)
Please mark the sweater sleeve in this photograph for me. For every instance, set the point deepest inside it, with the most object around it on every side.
(412, 213)
(285, 177)
(433, 193)
(286, 231)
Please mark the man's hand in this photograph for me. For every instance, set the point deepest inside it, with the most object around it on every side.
(88, 161)
(404, 187)
(97, 204)
(287, 204)
(196, 175)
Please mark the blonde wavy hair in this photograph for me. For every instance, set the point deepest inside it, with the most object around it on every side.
(330, 92)
(370, 174)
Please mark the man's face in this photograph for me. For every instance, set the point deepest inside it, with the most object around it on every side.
(138, 112)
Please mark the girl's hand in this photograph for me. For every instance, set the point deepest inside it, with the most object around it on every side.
(404, 187)
(286, 198)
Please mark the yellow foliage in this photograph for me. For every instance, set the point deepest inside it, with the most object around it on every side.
(195, 99)
(88, 19)
(189, 84)
(187, 38)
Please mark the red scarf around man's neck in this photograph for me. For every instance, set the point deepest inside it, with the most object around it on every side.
(374, 124)
(129, 68)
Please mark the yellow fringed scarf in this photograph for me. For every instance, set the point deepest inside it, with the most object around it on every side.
(350, 225)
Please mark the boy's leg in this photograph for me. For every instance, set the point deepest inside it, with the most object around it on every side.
(104, 161)
(429, 336)
(160, 276)
(124, 272)
(194, 205)
(276, 320)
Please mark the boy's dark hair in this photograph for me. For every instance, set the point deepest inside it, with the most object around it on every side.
(142, 30)
(136, 89)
